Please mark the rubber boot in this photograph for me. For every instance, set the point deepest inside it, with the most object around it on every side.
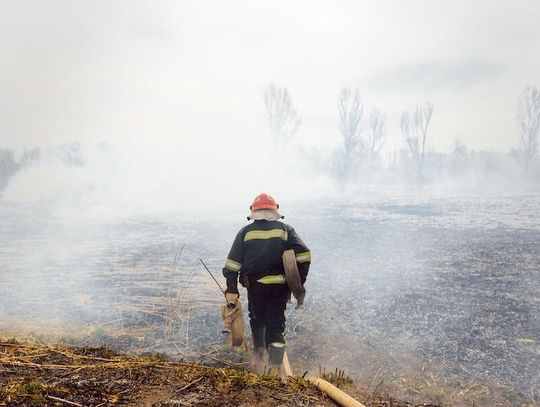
(258, 360)
(275, 360)
(276, 351)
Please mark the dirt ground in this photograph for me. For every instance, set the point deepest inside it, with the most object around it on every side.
(60, 375)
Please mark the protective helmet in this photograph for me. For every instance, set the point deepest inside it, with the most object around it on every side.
(264, 201)
(264, 207)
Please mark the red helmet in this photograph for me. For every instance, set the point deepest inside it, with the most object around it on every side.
(264, 201)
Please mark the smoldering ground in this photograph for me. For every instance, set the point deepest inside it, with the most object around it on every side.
(425, 240)
(431, 296)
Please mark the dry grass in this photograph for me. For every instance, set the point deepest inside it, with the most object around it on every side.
(36, 374)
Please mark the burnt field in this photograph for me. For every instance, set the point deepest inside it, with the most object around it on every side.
(434, 299)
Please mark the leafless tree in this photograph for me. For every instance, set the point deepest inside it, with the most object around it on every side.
(458, 160)
(414, 127)
(30, 157)
(459, 148)
(70, 154)
(283, 116)
(351, 111)
(529, 125)
(8, 166)
(377, 132)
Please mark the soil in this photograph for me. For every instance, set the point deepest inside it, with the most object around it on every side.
(41, 375)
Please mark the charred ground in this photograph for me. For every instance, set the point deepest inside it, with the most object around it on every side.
(434, 300)
(39, 375)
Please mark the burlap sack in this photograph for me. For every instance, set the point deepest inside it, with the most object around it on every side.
(233, 322)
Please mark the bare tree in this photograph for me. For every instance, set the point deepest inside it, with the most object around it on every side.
(377, 132)
(414, 127)
(283, 116)
(351, 111)
(70, 154)
(30, 157)
(8, 166)
(529, 125)
(458, 159)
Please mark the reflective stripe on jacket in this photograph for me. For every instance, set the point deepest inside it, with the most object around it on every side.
(257, 250)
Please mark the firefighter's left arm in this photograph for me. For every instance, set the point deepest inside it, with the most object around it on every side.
(302, 253)
(233, 264)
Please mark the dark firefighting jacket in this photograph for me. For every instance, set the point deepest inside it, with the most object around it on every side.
(257, 250)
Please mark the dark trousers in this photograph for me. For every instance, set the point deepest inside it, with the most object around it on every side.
(267, 304)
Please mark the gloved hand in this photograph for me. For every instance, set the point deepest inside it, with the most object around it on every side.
(300, 295)
(232, 286)
(231, 298)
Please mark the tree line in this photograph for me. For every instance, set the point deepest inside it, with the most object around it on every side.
(12, 162)
(362, 136)
(360, 155)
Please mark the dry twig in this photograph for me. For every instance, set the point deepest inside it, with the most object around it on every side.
(191, 384)
(64, 401)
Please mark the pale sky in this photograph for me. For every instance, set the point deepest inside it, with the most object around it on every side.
(189, 74)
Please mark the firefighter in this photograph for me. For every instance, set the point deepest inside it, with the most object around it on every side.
(255, 260)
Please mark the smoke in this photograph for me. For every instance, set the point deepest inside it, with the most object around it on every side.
(123, 179)
(400, 272)
(128, 179)
(100, 237)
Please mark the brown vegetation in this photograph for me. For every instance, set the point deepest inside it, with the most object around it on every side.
(40, 375)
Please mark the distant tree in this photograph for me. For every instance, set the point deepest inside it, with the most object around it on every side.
(70, 155)
(376, 132)
(283, 116)
(8, 167)
(414, 127)
(30, 157)
(351, 111)
(529, 126)
(460, 148)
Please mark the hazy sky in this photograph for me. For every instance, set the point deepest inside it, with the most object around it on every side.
(186, 72)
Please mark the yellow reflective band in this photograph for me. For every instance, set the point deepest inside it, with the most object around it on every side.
(304, 257)
(277, 344)
(232, 265)
(274, 279)
(266, 234)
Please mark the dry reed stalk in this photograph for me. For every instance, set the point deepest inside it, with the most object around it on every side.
(190, 384)
(63, 401)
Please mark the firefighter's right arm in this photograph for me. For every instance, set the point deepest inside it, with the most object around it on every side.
(233, 264)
